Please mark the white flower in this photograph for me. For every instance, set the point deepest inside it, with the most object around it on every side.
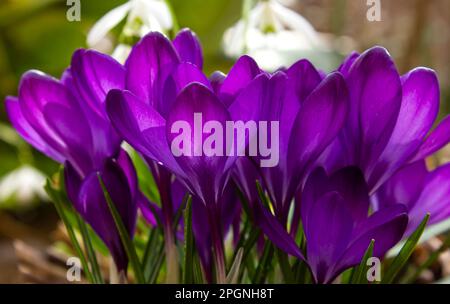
(273, 35)
(23, 185)
(142, 16)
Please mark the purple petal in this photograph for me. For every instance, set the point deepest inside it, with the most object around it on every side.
(244, 70)
(153, 56)
(437, 139)
(189, 48)
(313, 132)
(347, 64)
(434, 199)
(141, 126)
(95, 74)
(304, 77)
(200, 169)
(328, 235)
(27, 132)
(419, 109)
(375, 94)
(276, 232)
(184, 74)
(385, 227)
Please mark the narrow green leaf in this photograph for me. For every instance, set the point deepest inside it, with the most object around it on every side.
(55, 197)
(406, 251)
(264, 264)
(123, 233)
(285, 267)
(359, 274)
(188, 276)
(233, 274)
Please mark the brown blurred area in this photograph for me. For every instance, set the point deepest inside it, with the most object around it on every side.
(416, 33)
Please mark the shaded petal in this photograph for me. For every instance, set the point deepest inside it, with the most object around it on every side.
(149, 59)
(346, 65)
(276, 232)
(437, 139)
(95, 74)
(328, 235)
(141, 126)
(385, 227)
(184, 74)
(304, 77)
(27, 132)
(376, 96)
(244, 70)
(419, 109)
(188, 47)
(205, 173)
(434, 199)
(313, 132)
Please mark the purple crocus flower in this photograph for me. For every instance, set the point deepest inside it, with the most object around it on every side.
(390, 117)
(420, 190)
(66, 120)
(310, 111)
(337, 225)
(163, 86)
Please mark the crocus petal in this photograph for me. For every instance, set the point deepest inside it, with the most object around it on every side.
(419, 109)
(375, 94)
(404, 187)
(328, 235)
(311, 132)
(107, 23)
(434, 199)
(95, 74)
(202, 170)
(141, 126)
(437, 139)
(216, 79)
(386, 228)
(275, 231)
(244, 70)
(27, 132)
(189, 48)
(304, 78)
(184, 74)
(346, 65)
(74, 131)
(151, 57)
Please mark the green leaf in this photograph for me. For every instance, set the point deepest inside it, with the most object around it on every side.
(123, 233)
(233, 274)
(406, 251)
(55, 197)
(188, 276)
(359, 274)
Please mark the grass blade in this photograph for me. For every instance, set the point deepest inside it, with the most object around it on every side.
(188, 276)
(359, 274)
(406, 251)
(123, 233)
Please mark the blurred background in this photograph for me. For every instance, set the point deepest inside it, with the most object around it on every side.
(35, 34)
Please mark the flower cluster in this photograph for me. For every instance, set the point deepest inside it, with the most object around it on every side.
(352, 146)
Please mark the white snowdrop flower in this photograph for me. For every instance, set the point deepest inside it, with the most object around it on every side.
(142, 16)
(24, 185)
(274, 35)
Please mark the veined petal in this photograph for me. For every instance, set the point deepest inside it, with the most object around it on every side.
(95, 74)
(150, 60)
(304, 78)
(244, 70)
(419, 109)
(189, 48)
(437, 139)
(27, 132)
